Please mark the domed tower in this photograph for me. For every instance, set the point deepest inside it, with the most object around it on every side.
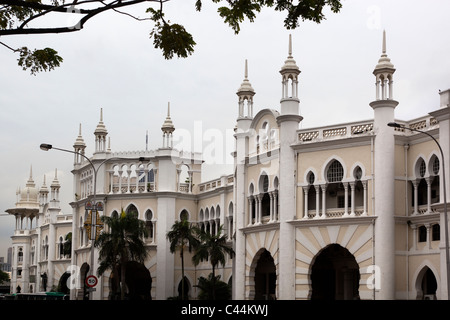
(100, 135)
(79, 147)
(288, 122)
(43, 193)
(25, 211)
(383, 107)
(245, 94)
(168, 128)
(54, 191)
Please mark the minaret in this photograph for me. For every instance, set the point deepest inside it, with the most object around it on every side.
(167, 129)
(288, 122)
(79, 146)
(43, 193)
(54, 191)
(100, 135)
(383, 107)
(245, 95)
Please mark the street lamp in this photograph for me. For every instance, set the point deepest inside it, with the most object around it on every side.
(397, 125)
(46, 147)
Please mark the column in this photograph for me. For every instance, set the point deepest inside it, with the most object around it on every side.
(250, 210)
(346, 199)
(258, 209)
(305, 197)
(317, 187)
(324, 200)
(416, 195)
(352, 187)
(364, 183)
(429, 180)
(271, 207)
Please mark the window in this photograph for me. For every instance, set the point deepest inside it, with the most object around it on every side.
(422, 168)
(335, 172)
(357, 173)
(436, 232)
(436, 166)
(422, 234)
(311, 178)
(184, 215)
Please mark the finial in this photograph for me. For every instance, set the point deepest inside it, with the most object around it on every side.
(168, 109)
(101, 114)
(246, 69)
(31, 172)
(79, 131)
(56, 173)
(290, 46)
(384, 41)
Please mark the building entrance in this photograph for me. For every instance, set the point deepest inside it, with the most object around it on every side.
(265, 277)
(335, 275)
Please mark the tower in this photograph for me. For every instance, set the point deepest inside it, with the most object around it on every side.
(288, 122)
(100, 135)
(245, 95)
(383, 107)
(79, 147)
(168, 129)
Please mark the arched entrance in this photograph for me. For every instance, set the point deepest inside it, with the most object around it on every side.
(426, 285)
(83, 294)
(265, 277)
(335, 275)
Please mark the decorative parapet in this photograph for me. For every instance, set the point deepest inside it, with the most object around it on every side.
(216, 183)
(335, 132)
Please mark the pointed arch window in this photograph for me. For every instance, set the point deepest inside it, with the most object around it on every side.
(335, 172)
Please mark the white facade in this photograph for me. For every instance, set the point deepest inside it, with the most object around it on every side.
(347, 211)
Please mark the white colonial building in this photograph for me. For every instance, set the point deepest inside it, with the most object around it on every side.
(348, 211)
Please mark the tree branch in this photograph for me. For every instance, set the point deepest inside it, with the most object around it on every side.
(89, 14)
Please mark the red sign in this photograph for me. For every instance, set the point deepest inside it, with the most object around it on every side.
(91, 281)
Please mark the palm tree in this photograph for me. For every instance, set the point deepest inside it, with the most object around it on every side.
(67, 246)
(182, 236)
(212, 247)
(122, 242)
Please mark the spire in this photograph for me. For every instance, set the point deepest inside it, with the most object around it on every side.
(55, 182)
(30, 182)
(384, 63)
(245, 94)
(79, 142)
(384, 72)
(167, 129)
(290, 65)
(101, 129)
(289, 73)
(246, 88)
(100, 135)
(168, 126)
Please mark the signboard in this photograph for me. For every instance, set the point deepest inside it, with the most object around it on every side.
(91, 281)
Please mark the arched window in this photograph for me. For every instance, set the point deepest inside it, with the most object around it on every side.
(132, 210)
(184, 215)
(61, 247)
(335, 172)
(149, 223)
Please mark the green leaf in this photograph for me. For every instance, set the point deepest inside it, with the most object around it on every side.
(39, 59)
(172, 39)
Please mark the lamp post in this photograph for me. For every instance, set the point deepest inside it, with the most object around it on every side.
(46, 147)
(447, 259)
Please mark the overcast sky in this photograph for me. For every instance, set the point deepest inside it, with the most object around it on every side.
(111, 64)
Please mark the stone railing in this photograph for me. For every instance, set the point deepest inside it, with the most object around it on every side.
(335, 132)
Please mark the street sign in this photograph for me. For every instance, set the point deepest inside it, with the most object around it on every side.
(91, 281)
